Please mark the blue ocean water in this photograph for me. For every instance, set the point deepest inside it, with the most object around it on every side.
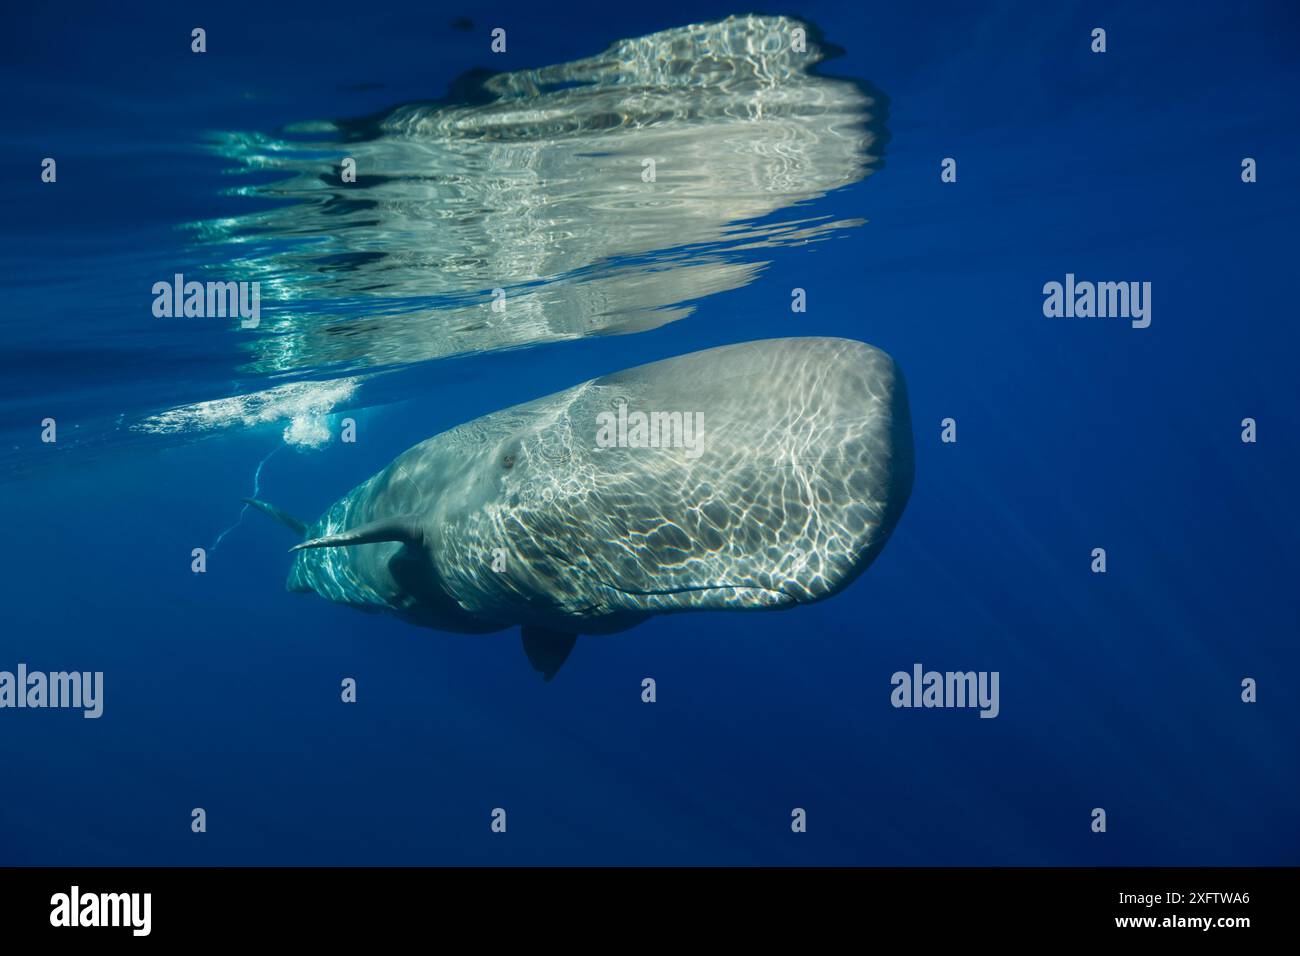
(1119, 690)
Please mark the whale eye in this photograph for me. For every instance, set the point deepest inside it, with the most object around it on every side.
(508, 461)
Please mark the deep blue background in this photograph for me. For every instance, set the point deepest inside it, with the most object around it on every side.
(1119, 691)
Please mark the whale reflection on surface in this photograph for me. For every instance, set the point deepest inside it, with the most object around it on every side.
(531, 193)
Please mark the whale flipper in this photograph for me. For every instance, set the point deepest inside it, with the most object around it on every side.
(289, 521)
(403, 529)
(547, 650)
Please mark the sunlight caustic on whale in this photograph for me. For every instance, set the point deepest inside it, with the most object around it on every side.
(799, 470)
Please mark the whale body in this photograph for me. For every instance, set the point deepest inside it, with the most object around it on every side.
(761, 475)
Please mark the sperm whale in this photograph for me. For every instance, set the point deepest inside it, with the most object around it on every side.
(762, 475)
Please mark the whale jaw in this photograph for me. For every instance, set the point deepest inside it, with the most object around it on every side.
(403, 529)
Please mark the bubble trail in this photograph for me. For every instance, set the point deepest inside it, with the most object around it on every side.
(257, 482)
